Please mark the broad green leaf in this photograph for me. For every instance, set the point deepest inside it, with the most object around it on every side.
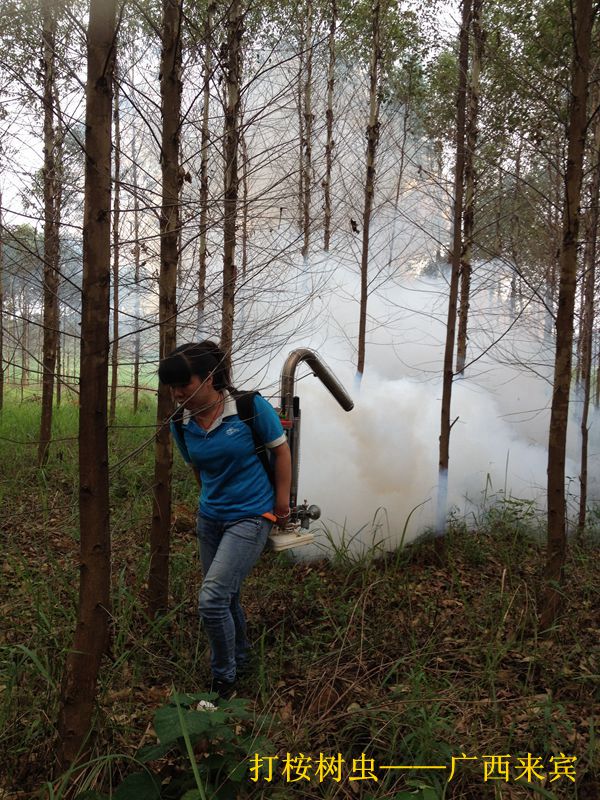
(138, 786)
(168, 727)
(152, 751)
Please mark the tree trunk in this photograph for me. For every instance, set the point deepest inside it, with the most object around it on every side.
(329, 117)
(59, 368)
(115, 264)
(245, 209)
(587, 322)
(204, 145)
(301, 134)
(2, 308)
(557, 439)
(170, 91)
(470, 188)
(51, 231)
(372, 140)
(136, 276)
(91, 633)
(25, 348)
(446, 425)
(308, 119)
(231, 141)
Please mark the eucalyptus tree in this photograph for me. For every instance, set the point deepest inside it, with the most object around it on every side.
(52, 206)
(116, 218)
(170, 92)
(232, 63)
(456, 252)
(583, 16)
(372, 140)
(379, 35)
(93, 615)
(471, 134)
(3, 361)
(588, 281)
(331, 49)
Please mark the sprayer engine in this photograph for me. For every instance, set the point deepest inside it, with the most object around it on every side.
(296, 532)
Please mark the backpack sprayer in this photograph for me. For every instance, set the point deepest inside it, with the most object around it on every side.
(296, 532)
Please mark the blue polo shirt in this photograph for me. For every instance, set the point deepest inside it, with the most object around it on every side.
(234, 481)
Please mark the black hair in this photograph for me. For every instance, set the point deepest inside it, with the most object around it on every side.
(200, 358)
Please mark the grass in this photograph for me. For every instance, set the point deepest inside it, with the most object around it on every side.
(393, 655)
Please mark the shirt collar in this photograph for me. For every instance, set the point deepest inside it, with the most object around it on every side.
(229, 410)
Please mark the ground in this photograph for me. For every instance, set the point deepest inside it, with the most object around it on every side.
(390, 659)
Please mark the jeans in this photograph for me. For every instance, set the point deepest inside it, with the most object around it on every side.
(228, 551)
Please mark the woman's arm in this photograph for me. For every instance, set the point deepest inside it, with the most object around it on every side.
(282, 471)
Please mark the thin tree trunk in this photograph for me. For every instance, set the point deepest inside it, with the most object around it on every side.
(115, 263)
(59, 369)
(25, 348)
(329, 117)
(136, 278)
(91, 633)
(301, 133)
(557, 438)
(308, 119)
(204, 145)
(405, 119)
(372, 140)
(51, 231)
(446, 425)
(2, 308)
(470, 188)
(587, 322)
(170, 90)
(245, 209)
(231, 142)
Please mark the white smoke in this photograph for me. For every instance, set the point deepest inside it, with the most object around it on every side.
(384, 453)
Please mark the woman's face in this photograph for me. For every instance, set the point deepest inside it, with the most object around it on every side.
(196, 395)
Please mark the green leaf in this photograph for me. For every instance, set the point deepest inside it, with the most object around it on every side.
(168, 726)
(238, 773)
(138, 786)
(192, 794)
(152, 751)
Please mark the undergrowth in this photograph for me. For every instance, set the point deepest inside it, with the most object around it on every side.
(405, 658)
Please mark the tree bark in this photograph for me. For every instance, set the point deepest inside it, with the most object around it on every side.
(51, 230)
(171, 91)
(301, 134)
(372, 140)
(204, 185)
(2, 309)
(470, 188)
(115, 264)
(136, 275)
(557, 438)
(448, 375)
(91, 633)
(587, 322)
(245, 192)
(329, 117)
(231, 141)
(308, 120)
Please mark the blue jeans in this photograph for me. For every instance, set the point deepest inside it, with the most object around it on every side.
(228, 551)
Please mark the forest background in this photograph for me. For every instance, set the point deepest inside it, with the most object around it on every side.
(410, 190)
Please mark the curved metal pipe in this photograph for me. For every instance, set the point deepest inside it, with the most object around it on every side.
(291, 409)
(320, 370)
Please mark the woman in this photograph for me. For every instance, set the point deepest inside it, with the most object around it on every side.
(239, 501)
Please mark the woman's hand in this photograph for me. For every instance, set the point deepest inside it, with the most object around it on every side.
(282, 515)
